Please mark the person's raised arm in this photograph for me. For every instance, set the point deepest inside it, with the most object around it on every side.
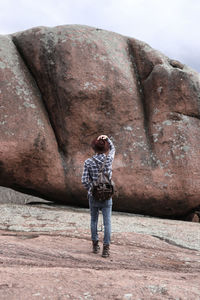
(111, 153)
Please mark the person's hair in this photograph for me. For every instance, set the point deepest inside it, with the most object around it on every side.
(100, 146)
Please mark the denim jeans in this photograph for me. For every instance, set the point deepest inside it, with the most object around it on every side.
(106, 208)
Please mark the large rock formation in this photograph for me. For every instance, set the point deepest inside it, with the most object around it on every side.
(63, 86)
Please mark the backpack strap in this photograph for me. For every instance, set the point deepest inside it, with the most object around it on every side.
(103, 165)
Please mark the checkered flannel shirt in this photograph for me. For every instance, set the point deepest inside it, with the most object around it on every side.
(90, 171)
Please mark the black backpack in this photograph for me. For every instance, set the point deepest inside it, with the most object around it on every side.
(103, 187)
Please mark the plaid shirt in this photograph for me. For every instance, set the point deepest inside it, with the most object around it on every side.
(90, 171)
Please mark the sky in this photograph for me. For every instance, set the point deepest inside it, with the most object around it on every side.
(170, 26)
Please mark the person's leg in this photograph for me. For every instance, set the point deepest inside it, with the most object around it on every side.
(94, 212)
(106, 211)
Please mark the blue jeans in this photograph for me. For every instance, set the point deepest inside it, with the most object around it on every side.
(106, 208)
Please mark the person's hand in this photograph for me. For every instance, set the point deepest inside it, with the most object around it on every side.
(103, 136)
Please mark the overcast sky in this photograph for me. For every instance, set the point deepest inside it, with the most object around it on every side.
(170, 26)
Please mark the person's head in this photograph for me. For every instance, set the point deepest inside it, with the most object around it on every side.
(100, 145)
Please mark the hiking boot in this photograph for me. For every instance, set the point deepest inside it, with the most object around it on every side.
(106, 251)
(96, 247)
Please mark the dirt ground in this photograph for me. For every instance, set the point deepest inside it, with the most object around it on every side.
(45, 253)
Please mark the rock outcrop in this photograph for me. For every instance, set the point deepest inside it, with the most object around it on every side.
(63, 86)
(149, 259)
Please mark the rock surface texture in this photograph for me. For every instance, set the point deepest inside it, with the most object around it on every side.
(151, 258)
(63, 86)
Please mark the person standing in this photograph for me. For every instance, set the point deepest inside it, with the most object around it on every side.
(104, 150)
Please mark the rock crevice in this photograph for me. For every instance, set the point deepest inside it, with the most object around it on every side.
(31, 71)
(142, 97)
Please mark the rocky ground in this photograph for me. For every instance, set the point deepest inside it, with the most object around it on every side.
(45, 253)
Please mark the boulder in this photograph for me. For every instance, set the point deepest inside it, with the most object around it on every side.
(83, 82)
(29, 156)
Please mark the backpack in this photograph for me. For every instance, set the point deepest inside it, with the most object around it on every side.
(103, 187)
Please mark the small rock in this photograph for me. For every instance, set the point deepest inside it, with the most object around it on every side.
(193, 218)
(176, 64)
(128, 297)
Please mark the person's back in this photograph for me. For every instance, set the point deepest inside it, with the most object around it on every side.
(102, 146)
